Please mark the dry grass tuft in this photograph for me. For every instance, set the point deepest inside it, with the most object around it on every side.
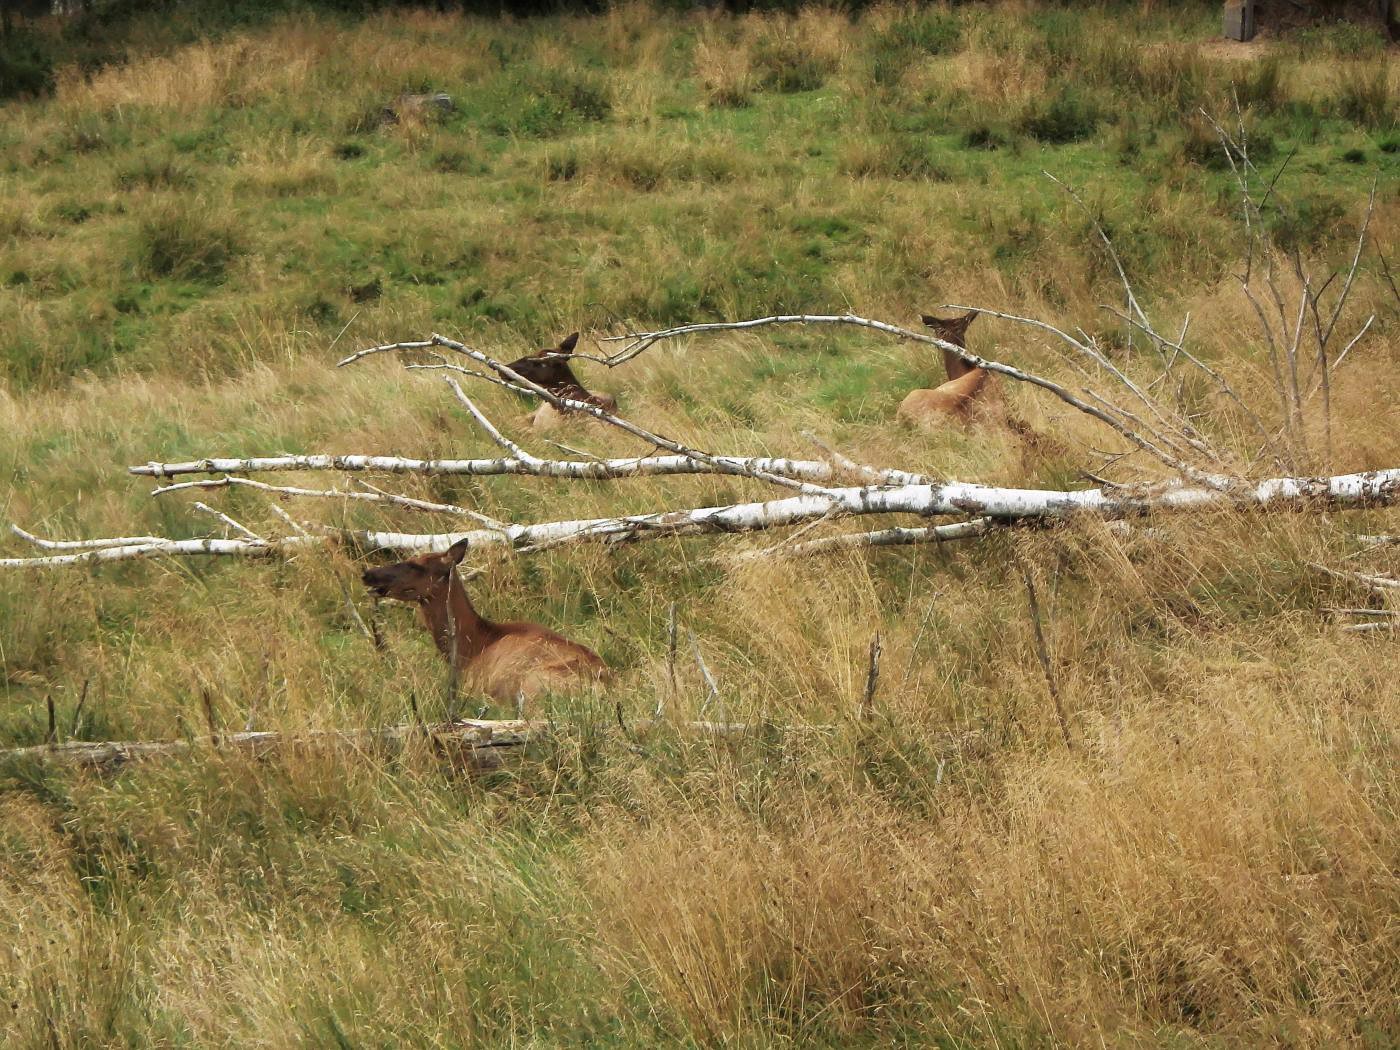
(724, 66)
(1177, 875)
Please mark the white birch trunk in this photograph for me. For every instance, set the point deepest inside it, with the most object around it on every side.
(1371, 488)
(578, 470)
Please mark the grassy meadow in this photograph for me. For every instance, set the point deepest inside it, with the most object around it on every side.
(194, 230)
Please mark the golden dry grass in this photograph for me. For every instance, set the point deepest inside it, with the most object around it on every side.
(1212, 862)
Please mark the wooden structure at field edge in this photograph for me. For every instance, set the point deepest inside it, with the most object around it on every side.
(1245, 18)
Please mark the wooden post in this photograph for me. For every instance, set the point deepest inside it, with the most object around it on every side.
(1239, 20)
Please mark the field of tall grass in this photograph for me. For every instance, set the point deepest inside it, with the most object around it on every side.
(193, 233)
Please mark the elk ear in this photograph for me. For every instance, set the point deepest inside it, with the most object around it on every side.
(930, 320)
(566, 346)
(457, 551)
(967, 318)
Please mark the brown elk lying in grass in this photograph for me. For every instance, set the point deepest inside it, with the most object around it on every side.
(971, 392)
(966, 387)
(507, 661)
(550, 369)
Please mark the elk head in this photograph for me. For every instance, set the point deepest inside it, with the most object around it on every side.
(417, 580)
(550, 369)
(952, 330)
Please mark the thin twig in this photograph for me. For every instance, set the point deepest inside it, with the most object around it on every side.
(1355, 261)
(236, 526)
(1376, 583)
(872, 680)
(355, 616)
(207, 700)
(83, 545)
(671, 638)
(1043, 654)
(704, 672)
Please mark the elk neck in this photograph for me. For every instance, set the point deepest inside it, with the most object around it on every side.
(449, 610)
(970, 383)
(954, 366)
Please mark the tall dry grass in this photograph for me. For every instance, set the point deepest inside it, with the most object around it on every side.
(1211, 862)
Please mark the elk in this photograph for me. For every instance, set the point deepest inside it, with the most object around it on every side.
(550, 369)
(966, 383)
(507, 661)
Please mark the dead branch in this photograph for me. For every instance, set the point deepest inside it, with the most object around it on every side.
(1369, 489)
(336, 494)
(892, 537)
(713, 694)
(872, 680)
(1374, 582)
(473, 743)
(640, 341)
(1379, 541)
(75, 545)
(519, 383)
(1042, 652)
(106, 550)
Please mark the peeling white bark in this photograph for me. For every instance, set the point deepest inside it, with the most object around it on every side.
(1372, 488)
(814, 470)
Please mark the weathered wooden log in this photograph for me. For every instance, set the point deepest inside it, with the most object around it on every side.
(477, 744)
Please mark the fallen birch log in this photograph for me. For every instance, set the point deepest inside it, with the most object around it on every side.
(479, 744)
(574, 470)
(1369, 489)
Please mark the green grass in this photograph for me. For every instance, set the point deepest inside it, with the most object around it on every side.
(536, 170)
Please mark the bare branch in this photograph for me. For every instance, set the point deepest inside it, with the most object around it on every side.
(1042, 653)
(719, 465)
(1345, 350)
(1379, 541)
(237, 527)
(1362, 628)
(872, 680)
(1087, 348)
(490, 428)
(875, 475)
(641, 341)
(893, 537)
(104, 551)
(292, 522)
(1376, 583)
(76, 545)
(1179, 348)
(1351, 271)
(476, 743)
(580, 470)
(374, 496)
(1108, 244)
(704, 672)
